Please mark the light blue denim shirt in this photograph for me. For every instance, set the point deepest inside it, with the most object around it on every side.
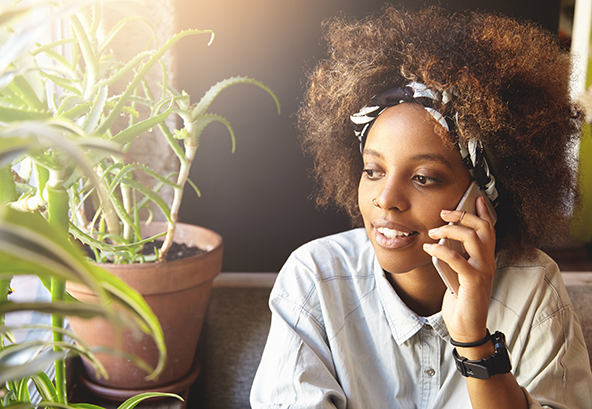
(340, 336)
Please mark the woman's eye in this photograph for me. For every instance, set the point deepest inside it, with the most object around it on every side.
(372, 174)
(425, 180)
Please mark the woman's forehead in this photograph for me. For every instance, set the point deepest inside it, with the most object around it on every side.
(406, 123)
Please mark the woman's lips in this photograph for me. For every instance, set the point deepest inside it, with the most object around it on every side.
(393, 238)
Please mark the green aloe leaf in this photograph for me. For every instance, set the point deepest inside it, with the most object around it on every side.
(66, 83)
(8, 114)
(204, 120)
(166, 211)
(140, 76)
(215, 90)
(96, 111)
(117, 28)
(91, 62)
(130, 133)
(87, 239)
(127, 68)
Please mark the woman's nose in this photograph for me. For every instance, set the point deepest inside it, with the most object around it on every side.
(392, 196)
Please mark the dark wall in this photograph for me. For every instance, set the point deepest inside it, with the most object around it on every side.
(259, 198)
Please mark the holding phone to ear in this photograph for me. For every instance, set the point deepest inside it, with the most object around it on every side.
(467, 204)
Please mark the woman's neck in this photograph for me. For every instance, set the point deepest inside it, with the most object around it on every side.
(422, 289)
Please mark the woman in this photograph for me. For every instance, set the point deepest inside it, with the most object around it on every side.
(362, 319)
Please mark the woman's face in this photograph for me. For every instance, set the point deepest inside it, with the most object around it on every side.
(411, 175)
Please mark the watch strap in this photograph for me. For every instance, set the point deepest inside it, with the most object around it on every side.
(498, 363)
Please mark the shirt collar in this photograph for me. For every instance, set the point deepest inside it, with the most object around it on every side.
(404, 323)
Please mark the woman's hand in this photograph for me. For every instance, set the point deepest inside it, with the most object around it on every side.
(466, 314)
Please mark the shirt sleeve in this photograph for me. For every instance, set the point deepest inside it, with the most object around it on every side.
(563, 379)
(296, 368)
(554, 366)
(532, 403)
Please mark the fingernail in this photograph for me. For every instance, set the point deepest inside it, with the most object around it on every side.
(446, 211)
(426, 245)
(432, 231)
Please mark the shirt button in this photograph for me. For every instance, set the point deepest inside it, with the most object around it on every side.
(431, 372)
(427, 326)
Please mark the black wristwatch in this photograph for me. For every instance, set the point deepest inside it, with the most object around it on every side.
(498, 363)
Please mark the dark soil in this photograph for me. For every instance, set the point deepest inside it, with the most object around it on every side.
(176, 252)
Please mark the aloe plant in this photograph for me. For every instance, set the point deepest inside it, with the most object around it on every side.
(63, 168)
(82, 102)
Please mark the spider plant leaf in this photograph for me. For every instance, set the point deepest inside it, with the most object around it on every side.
(44, 386)
(56, 405)
(19, 405)
(29, 238)
(215, 90)
(11, 147)
(135, 400)
(52, 133)
(57, 307)
(22, 391)
(40, 363)
(136, 304)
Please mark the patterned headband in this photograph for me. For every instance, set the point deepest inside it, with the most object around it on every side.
(473, 153)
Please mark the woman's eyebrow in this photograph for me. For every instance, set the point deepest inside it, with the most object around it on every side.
(372, 152)
(432, 157)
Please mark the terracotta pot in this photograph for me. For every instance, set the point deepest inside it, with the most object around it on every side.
(178, 293)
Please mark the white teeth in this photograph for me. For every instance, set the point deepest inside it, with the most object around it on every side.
(392, 234)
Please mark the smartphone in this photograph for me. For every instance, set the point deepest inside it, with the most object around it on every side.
(467, 204)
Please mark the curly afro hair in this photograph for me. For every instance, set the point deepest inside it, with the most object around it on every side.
(512, 81)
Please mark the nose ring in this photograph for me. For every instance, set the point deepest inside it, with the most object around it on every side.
(375, 203)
